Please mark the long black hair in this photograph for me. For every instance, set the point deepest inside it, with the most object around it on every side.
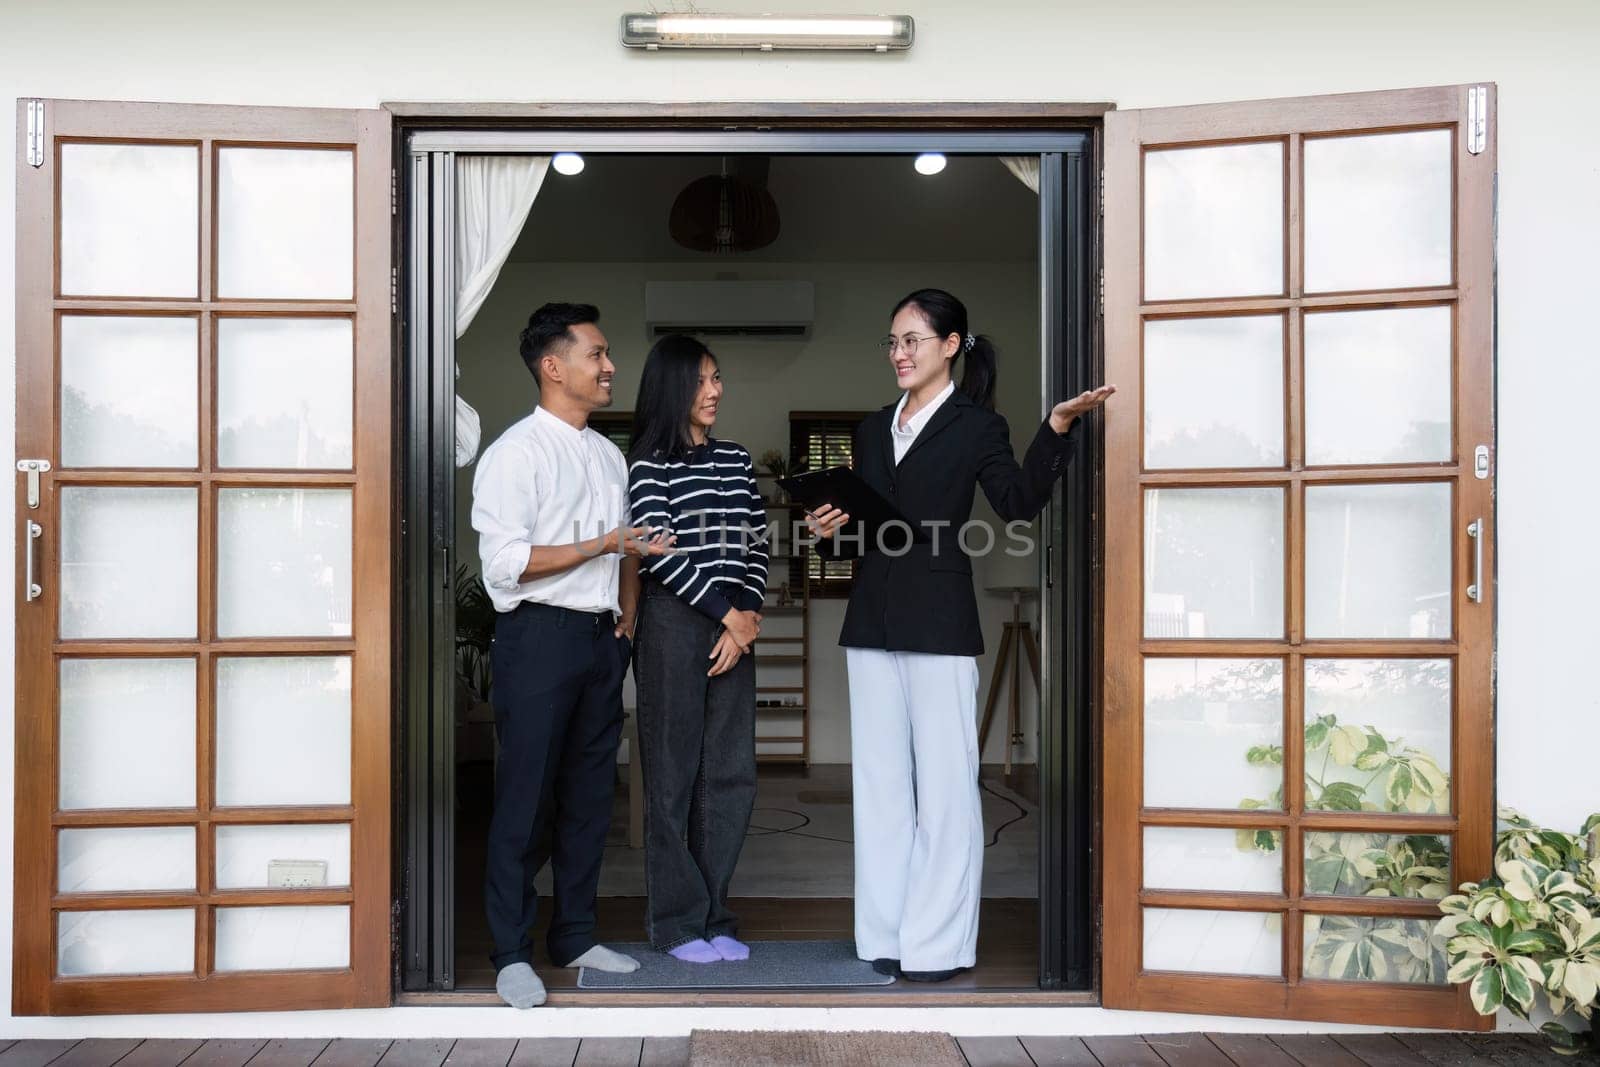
(667, 388)
(946, 315)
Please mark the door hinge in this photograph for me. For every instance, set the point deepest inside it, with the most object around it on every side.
(35, 133)
(1477, 119)
(394, 290)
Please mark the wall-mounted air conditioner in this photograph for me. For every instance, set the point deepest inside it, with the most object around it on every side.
(730, 308)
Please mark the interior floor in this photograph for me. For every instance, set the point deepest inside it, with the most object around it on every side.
(794, 878)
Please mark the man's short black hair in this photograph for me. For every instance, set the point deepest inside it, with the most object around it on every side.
(549, 325)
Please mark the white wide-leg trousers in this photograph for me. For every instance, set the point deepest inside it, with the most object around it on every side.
(918, 815)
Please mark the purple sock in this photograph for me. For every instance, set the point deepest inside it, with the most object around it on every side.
(697, 951)
(729, 948)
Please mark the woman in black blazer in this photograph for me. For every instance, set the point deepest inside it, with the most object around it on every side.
(912, 634)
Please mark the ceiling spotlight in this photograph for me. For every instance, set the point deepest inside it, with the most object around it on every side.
(568, 163)
(930, 163)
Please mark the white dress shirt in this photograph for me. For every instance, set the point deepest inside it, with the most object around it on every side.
(544, 483)
(905, 438)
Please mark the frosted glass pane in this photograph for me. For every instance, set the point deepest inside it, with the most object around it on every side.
(1415, 866)
(1213, 563)
(1213, 942)
(1213, 392)
(283, 939)
(1243, 861)
(1213, 732)
(128, 562)
(284, 392)
(283, 730)
(1357, 948)
(283, 562)
(246, 854)
(1378, 734)
(1378, 211)
(1213, 221)
(125, 859)
(129, 391)
(1393, 366)
(130, 220)
(286, 223)
(147, 941)
(127, 733)
(1378, 560)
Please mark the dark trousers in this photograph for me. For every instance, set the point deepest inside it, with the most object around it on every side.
(697, 740)
(558, 715)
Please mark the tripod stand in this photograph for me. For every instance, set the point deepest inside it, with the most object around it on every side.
(1016, 633)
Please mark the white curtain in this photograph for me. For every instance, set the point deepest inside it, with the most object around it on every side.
(493, 197)
(1026, 169)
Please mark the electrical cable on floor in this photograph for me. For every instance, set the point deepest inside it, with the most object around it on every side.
(1022, 813)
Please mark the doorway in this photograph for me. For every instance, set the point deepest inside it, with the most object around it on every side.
(1024, 259)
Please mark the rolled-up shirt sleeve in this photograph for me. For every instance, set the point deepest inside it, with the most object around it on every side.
(504, 509)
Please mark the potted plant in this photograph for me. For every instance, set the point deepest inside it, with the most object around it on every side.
(1531, 932)
(777, 466)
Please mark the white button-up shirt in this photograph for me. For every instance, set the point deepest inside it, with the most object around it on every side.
(544, 483)
(905, 438)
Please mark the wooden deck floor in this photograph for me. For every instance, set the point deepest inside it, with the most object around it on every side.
(1167, 1050)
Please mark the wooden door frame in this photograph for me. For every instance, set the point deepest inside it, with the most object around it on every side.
(1072, 870)
(1471, 823)
(35, 988)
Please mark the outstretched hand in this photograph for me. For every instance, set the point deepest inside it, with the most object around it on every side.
(1064, 413)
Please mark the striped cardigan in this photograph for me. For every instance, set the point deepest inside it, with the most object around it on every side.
(707, 498)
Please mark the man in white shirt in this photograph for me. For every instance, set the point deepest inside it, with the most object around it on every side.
(548, 502)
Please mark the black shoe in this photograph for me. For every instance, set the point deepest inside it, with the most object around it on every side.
(931, 976)
(887, 966)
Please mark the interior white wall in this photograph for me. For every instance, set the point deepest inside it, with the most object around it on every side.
(837, 368)
(1137, 53)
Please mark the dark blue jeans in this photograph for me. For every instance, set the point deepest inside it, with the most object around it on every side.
(697, 737)
(558, 715)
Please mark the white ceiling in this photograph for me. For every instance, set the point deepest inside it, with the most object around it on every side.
(833, 208)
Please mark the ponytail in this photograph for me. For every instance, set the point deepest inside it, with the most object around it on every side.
(946, 315)
(981, 373)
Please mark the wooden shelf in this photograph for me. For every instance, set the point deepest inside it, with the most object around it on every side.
(780, 689)
(781, 661)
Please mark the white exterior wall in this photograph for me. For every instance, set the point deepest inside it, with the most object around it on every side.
(1542, 54)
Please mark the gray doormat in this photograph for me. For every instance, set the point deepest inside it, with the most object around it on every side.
(772, 965)
(807, 1048)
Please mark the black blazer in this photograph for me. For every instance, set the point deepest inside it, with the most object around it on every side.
(922, 600)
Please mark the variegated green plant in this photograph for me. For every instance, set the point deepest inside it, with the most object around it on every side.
(1358, 768)
(1532, 928)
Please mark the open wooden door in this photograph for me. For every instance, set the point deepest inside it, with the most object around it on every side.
(204, 558)
(1298, 755)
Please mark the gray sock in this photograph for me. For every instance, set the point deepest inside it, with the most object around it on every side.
(518, 986)
(604, 959)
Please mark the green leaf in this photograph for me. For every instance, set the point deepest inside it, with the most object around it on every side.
(1400, 781)
(1581, 981)
(1487, 992)
(1560, 1037)
(1316, 734)
(1517, 987)
(1266, 841)
(1531, 941)
(1465, 969)
(1341, 796)
(1430, 778)
(1347, 742)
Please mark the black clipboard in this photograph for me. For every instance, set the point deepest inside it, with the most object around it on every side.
(844, 489)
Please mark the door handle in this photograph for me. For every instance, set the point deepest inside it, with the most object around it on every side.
(1475, 531)
(31, 532)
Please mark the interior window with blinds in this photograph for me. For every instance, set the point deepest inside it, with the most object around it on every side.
(820, 439)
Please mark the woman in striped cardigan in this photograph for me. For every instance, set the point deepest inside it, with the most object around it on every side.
(694, 665)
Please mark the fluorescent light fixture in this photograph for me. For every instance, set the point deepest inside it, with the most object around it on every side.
(567, 163)
(871, 33)
(929, 163)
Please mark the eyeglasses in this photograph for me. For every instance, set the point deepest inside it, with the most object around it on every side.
(889, 345)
